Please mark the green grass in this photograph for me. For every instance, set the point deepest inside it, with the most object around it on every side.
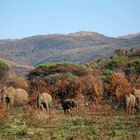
(83, 126)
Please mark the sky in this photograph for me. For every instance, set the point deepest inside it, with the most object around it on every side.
(22, 18)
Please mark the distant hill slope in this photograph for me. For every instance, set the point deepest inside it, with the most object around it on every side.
(14, 67)
(78, 47)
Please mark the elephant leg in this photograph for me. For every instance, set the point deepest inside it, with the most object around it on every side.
(10, 103)
(130, 110)
(68, 110)
(133, 110)
(41, 107)
(8, 106)
(47, 107)
(65, 111)
(126, 109)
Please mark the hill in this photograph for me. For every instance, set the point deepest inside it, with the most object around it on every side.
(77, 47)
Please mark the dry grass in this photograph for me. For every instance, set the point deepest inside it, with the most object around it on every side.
(86, 124)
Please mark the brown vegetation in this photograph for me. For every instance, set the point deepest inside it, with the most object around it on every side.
(118, 85)
(17, 82)
(3, 113)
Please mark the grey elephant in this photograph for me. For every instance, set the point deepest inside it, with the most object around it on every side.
(137, 95)
(11, 96)
(130, 103)
(44, 101)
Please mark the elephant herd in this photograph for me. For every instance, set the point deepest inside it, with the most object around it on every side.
(11, 96)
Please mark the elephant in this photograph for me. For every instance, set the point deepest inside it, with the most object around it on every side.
(68, 104)
(44, 100)
(130, 103)
(136, 92)
(11, 96)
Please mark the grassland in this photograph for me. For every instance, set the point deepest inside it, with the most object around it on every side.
(84, 125)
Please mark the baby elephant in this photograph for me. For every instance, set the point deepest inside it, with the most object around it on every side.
(44, 100)
(68, 104)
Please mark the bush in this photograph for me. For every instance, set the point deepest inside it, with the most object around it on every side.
(17, 82)
(47, 69)
(91, 87)
(65, 89)
(56, 64)
(133, 67)
(37, 85)
(4, 66)
(116, 62)
(53, 72)
(119, 85)
(120, 51)
(106, 74)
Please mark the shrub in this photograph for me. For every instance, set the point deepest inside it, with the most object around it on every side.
(4, 69)
(106, 74)
(17, 82)
(91, 86)
(65, 89)
(70, 76)
(116, 62)
(37, 85)
(60, 63)
(133, 67)
(53, 78)
(119, 85)
(120, 51)
(4, 66)
(63, 68)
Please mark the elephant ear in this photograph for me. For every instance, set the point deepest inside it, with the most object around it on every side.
(3, 90)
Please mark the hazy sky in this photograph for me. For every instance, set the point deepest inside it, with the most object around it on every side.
(21, 18)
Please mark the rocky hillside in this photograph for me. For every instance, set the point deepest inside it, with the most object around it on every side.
(78, 47)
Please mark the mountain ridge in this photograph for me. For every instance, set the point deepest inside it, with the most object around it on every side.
(79, 47)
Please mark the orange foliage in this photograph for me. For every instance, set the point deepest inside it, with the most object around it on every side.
(97, 88)
(119, 85)
(86, 88)
(92, 86)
